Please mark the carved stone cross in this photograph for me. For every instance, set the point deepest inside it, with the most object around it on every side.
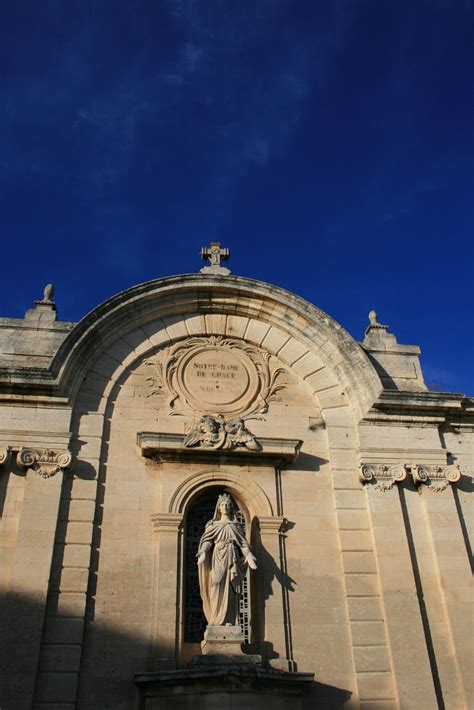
(215, 254)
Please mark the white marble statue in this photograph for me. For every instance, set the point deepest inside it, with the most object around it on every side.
(223, 556)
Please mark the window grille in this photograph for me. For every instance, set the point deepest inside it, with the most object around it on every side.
(194, 620)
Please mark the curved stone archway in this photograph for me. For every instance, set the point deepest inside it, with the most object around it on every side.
(248, 491)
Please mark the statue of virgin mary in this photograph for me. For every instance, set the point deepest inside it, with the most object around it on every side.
(223, 556)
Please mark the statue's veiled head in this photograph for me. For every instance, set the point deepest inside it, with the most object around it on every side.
(224, 504)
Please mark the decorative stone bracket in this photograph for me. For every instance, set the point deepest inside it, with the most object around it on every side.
(436, 478)
(166, 522)
(45, 462)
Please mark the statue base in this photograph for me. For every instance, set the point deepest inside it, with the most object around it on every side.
(242, 687)
(222, 645)
(223, 676)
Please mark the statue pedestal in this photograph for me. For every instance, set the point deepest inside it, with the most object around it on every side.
(223, 645)
(223, 676)
(237, 686)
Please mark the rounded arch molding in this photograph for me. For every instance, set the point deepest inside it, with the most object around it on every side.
(252, 495)
(168, 299)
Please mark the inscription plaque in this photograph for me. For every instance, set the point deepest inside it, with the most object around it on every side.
(216, 376)
(218, 379)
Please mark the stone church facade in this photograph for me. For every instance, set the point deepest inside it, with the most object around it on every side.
(351, 479)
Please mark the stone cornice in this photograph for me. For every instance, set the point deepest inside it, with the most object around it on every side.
(17, 439)
(395, 407)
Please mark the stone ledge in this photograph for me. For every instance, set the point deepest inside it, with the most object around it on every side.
(169, 447)
(221, 670)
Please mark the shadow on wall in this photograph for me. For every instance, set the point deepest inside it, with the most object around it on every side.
(106, 681)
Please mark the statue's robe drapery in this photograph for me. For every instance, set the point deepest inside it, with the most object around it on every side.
(222, 573)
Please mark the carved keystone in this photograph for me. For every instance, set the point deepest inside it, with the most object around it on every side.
(46, 463)
(382, 475)
(436, 478)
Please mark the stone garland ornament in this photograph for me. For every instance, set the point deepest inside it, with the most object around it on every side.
(46, 463)
(217, 433)
(436, 478)
(382, 475)
(215, 374)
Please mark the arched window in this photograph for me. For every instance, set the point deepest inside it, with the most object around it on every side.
(200, 512)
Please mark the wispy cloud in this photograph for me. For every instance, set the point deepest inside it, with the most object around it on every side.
(83, 124)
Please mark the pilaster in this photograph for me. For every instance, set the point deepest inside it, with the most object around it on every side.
(277, 627)
(452, 567)
(166, 589)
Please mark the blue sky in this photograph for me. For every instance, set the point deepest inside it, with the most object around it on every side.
(328, 144)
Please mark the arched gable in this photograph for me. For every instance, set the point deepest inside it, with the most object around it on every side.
(139, 319)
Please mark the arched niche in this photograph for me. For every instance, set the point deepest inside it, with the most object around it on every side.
(198, 513)
(250, 497)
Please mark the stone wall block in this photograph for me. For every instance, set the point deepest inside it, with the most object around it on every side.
(81, 511)
(377, 686)
(359, 562)
(274, 340)
(356, 540)
(371, 659)
(79, 533)
(371, 633)
(71, 604)
(291, 351)
(63, 630)
(57, 687)
(236, 326)
(60, 657)
(74, 579)
(365, 609)
(353, 520)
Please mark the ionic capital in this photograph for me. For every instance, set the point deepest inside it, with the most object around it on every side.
(435, 478)
(382, 475)
(5, 455)
(45, 462)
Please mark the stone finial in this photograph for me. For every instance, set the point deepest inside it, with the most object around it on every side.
(373, 318)
(374, 324)
(46, 304)
(48, 293)
(215, 254)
